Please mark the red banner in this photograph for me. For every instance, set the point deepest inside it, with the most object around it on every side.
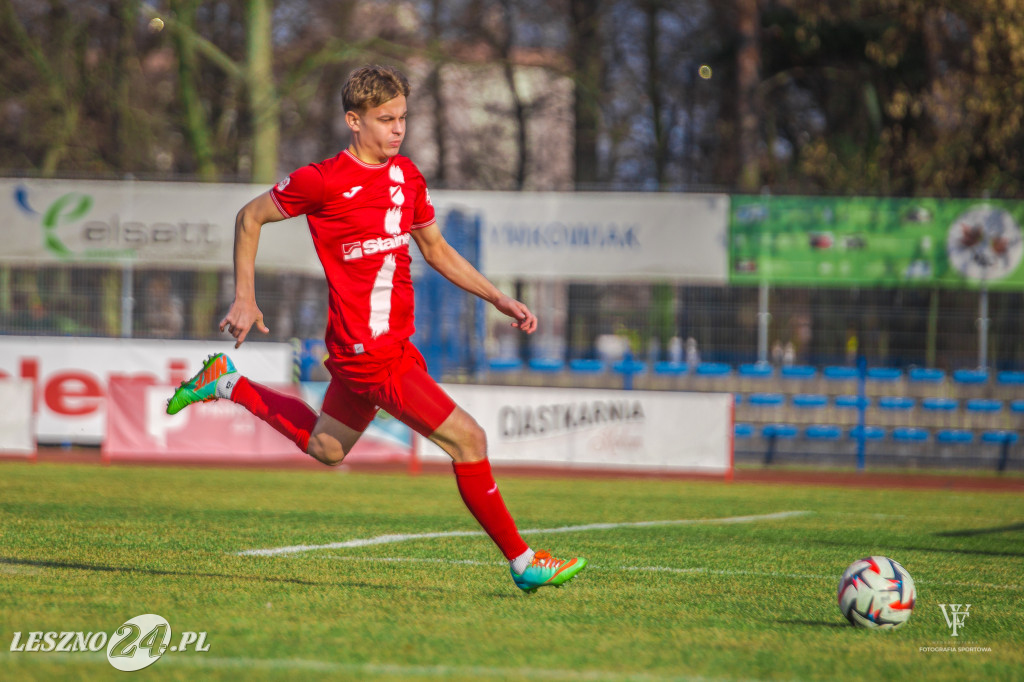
(219, 432)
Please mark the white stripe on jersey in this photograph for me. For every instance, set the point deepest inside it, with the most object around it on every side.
(393, 220)
(380, 297)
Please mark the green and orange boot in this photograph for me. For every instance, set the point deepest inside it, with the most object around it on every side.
(547, 571)
(202, 387)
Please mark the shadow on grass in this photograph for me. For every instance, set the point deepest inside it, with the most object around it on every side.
(937, 550)
(814, 623)
(971, 532)
(80, 566)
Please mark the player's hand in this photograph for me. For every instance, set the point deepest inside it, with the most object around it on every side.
(524, 319)
(242, 315)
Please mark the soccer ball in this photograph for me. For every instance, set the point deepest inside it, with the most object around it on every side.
(876, 592)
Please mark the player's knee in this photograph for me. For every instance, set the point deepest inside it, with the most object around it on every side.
(326, 450)
(472, 446)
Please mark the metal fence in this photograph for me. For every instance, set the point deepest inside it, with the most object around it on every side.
(579, 320)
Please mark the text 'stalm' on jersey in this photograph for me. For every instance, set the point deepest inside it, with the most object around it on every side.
(354, 250)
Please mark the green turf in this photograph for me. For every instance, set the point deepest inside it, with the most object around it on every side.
(87, 548)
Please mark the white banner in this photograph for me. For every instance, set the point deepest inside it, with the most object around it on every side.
(589, 235)
(633, 430)
(17, 433)
(184, 225)
(604, 236)
(70, 375)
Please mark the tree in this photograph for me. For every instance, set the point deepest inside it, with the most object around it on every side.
(903, 98)
(748, 67)
(585, 46)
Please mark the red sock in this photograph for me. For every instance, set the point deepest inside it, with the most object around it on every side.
(287, 414)
(480, 493)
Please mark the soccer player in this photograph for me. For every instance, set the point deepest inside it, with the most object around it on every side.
(363, 207)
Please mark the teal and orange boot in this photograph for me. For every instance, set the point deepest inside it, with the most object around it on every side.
(547, 571)
(202, 387)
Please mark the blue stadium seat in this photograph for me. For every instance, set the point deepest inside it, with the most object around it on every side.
(940, 404)
(909, 434)
(799, 372)
(1017, 406)
(984, 405)
(1010, 378)
(870, 433)
(672, 368)
(809, 400)
(586, 366)
(970, 376)
(756, 370)
(851, 402)
(954, 436)
(999, 437)
(766, 399)
(884, 374)
(743, 430)
(895, 402)
(504, 364)
(928, 375)
(779, 431)
(840, 373)
(546, 365)
(823, 432)
(714, 369)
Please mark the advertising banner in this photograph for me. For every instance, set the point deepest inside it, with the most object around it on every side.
(858, 241)
(139, 428)
(221, 432)
(603, 236)
(625, 430)
(17, 431)
(639, 236)
(71, 376)
(183, 225)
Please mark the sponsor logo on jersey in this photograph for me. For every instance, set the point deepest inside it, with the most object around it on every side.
(396, 174)
(284, 183)
(354, 250)
(397, 198)
(352, 192)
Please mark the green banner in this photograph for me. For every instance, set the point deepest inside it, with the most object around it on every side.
(861, 241)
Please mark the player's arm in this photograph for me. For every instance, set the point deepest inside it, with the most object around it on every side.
(440, 255)
(244, 312)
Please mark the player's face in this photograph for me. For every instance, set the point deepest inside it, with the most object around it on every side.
(377, 134)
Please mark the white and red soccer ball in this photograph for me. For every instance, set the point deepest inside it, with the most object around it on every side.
(877, 592)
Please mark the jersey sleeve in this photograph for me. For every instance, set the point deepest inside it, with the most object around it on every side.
(300, 193)
(422, 210)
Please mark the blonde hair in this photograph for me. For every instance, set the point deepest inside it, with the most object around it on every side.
(370, 86)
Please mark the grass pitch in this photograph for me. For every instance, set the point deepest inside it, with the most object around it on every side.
(86, 548)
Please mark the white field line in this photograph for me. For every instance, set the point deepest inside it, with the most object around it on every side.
(389, 539)
(698, 570)
(354, 670)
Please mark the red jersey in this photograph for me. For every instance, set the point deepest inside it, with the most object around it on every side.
(360, 216)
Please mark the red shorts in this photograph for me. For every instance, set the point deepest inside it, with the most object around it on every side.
(392, 378)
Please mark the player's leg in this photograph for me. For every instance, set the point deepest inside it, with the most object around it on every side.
(331, 440)
(423, 407)
(323, 436)
(343, 418)
(218, 378)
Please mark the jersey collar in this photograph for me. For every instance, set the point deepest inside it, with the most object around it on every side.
(363, 163)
